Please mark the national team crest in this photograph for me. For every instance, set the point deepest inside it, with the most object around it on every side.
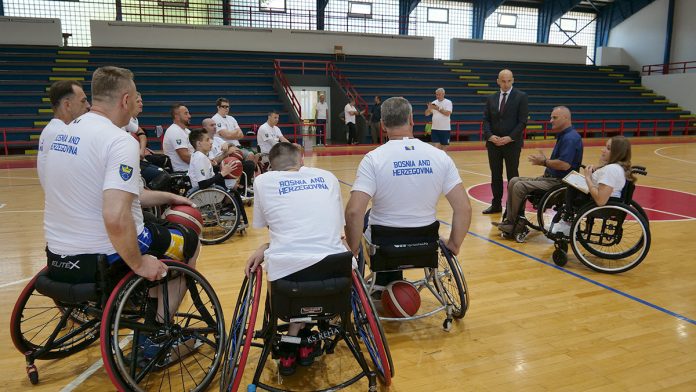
(178, 142)
(125, 171)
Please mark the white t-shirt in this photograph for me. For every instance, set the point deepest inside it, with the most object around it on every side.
(132, 126)
(612, 175)
(225, 123)
(440, 121)
(199, 168)
(304, 214)
(216, 149)
(350, 118)
(405, 179)
(322, 109)
(267, 137)
(47, 135)
(175, 138)
(90, 156)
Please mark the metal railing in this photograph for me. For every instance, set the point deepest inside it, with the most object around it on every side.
(287, 88)
(329, 69)
(664, 69)
(461, 130)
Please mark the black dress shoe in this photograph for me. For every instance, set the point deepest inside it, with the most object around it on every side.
(492, 210)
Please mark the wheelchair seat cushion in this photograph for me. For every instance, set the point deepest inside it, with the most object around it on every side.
(323, 288)
(403, 248)
(66, 292)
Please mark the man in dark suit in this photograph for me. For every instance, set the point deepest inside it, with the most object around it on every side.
(504, 120)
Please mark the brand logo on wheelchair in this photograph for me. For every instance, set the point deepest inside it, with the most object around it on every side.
(67, 264)
(125, 171)
(312, 310)
(323, 335)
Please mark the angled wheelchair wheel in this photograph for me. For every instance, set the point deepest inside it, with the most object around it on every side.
(147, 347)
(221, 214)
(40, 323)
(370, 330)
(451, 283)
(241, 332)
(612, 238)
(550, 204)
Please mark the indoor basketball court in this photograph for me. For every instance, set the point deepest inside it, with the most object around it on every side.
(530, 326)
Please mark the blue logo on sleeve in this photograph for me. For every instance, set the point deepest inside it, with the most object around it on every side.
(125, 171)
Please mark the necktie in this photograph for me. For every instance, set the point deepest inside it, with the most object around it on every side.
(502, 103)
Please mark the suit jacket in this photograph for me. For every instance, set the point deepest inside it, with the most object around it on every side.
(511, 122)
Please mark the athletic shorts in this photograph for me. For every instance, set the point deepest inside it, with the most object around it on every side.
(442, 137)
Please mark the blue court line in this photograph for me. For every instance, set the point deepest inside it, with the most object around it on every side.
(574, 274)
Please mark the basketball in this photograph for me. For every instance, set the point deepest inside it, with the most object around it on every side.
(401, 299)
(237, 154)
(185, 215)
(236, 170)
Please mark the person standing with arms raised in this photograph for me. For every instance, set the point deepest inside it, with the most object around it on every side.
(504, 120)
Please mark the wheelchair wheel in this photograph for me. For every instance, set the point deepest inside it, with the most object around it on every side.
(551, 203)
(241, 332)
(221, 214)
(612, 238)
(36, 319)
(451, 283)
(182, 352)
(370, 330)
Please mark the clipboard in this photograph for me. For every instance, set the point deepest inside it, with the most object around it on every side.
(577, 181)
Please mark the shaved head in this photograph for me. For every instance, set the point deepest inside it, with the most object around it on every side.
(505, 80)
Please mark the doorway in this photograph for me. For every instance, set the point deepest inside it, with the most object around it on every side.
(308, 97)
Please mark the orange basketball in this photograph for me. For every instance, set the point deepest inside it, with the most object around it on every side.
(237, 154)
(186, 216)
(237, 170)
(401, 299)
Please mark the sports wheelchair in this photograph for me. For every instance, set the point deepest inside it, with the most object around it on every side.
(220, 210)
(340, 309)
(612, 238)
(53, 320)
(397, 249)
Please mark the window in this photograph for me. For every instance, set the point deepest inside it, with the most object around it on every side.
(173, 3)
(568, 24)
(438, 15)
(458, 26)
(512, 24)
(507, 20)
(359, 10)
(272, 5)
(583, 34)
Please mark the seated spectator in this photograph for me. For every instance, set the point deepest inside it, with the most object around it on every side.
(176, 139)
(269, 134)
(565, 157)
(134, 128)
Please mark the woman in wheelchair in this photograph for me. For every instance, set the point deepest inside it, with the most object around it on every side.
(201, 172)
(604, 181)
(608, 231)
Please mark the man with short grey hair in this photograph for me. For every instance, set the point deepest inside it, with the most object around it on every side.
(441, 110)
(404, 178)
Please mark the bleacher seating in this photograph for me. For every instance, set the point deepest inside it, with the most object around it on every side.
(598, 96)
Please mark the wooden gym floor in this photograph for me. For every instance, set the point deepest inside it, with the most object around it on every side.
(531, 326)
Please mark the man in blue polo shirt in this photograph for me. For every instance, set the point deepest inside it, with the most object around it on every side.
(566, 156)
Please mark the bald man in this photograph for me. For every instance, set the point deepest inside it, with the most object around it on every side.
(504, 120)
(565, 157)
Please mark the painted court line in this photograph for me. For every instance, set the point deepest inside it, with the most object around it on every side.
(92, 369)
(2, 286)
(657, 152)
(574, 274)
